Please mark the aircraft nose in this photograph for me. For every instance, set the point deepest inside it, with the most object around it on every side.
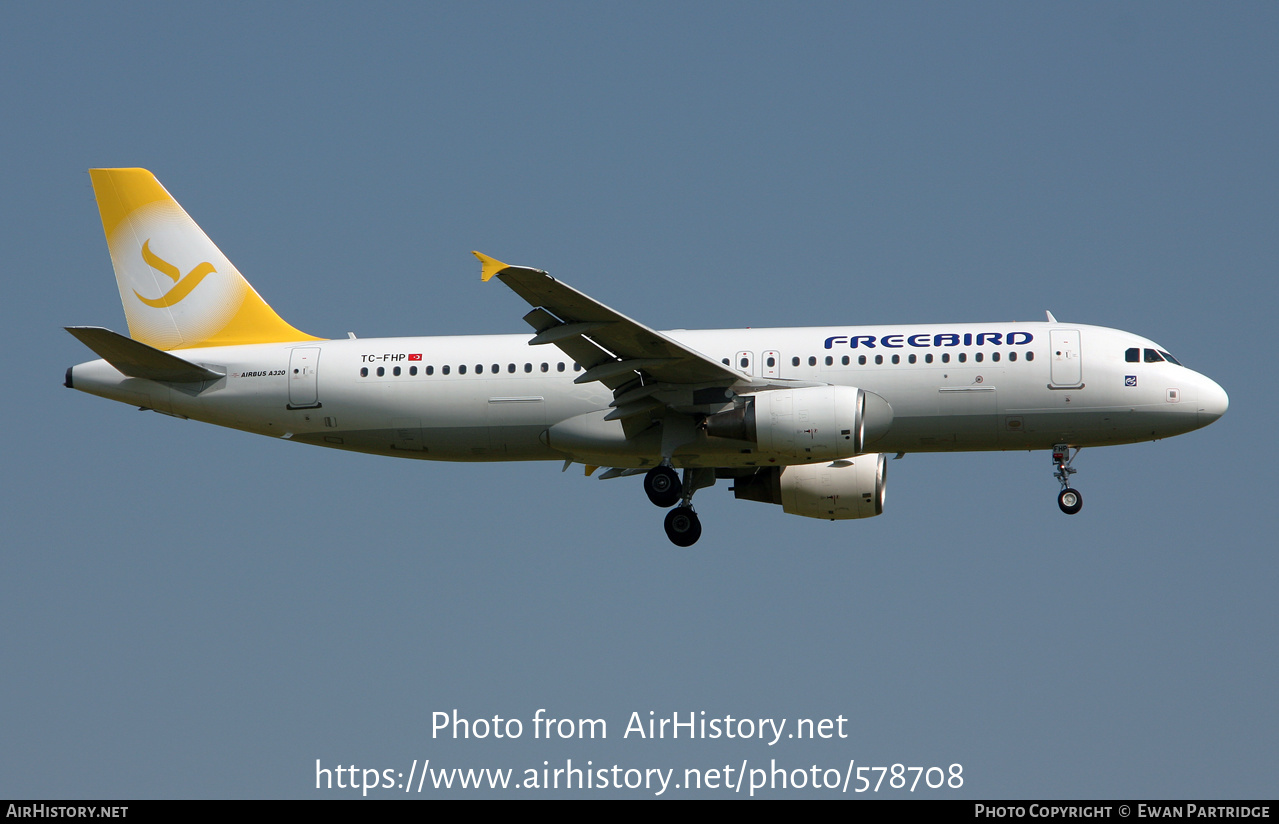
(1213, 402)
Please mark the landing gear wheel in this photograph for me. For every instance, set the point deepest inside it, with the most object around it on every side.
(683, 526)
(662, 486)
(1070, 501)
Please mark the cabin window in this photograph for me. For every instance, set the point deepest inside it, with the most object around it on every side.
(910, 358)
(444, 370)
(546, 367)
(577, 367)
(844, 360)
(412, 370)
(461, 370)
(812, 361)
(928, 358)
(772, 361)
(559, 367)
(830, 361)
(994, 356)
(897, 359)
(1030, 356)
(1012, 356)
(978, 357)
(744, 362)
(430, 370)
(510, 367)
(528, 367)
(364, 372)
(381, 372)
(861, 360)
(879, 359)
(945, 357)
(396, 371)
(794, 361)
(963, 357)
(724, 361)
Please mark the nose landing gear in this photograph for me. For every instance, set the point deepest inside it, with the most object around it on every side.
(1069, 500)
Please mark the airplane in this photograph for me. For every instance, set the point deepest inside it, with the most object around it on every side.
(800, 417)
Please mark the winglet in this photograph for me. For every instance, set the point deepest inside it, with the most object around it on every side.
(489, 266)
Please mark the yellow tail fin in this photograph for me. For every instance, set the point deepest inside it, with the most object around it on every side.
(179, 291)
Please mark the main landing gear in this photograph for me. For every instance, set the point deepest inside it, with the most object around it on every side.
(1069, 499)
(683, 526)
(664, 488)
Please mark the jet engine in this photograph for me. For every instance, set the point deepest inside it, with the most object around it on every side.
(837, 491)
(816, 423)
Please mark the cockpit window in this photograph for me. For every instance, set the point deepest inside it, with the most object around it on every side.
(1152, 356)
(1133, 355)
(1169, 358)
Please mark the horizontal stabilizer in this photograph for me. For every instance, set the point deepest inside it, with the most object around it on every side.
(137, 360)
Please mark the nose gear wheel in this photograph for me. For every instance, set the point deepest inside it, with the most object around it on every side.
(1069, 500)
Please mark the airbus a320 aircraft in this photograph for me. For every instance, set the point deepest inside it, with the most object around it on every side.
(797, 417)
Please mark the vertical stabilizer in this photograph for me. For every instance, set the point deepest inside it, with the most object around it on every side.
(179, 291)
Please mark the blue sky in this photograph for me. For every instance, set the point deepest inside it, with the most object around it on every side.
(195, 612)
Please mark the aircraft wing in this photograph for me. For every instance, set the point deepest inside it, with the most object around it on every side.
(611, 347)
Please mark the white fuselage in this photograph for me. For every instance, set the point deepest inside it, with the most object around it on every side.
(954, 387)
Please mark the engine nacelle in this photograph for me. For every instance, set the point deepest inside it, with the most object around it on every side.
(816, 423)
(837, 491)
